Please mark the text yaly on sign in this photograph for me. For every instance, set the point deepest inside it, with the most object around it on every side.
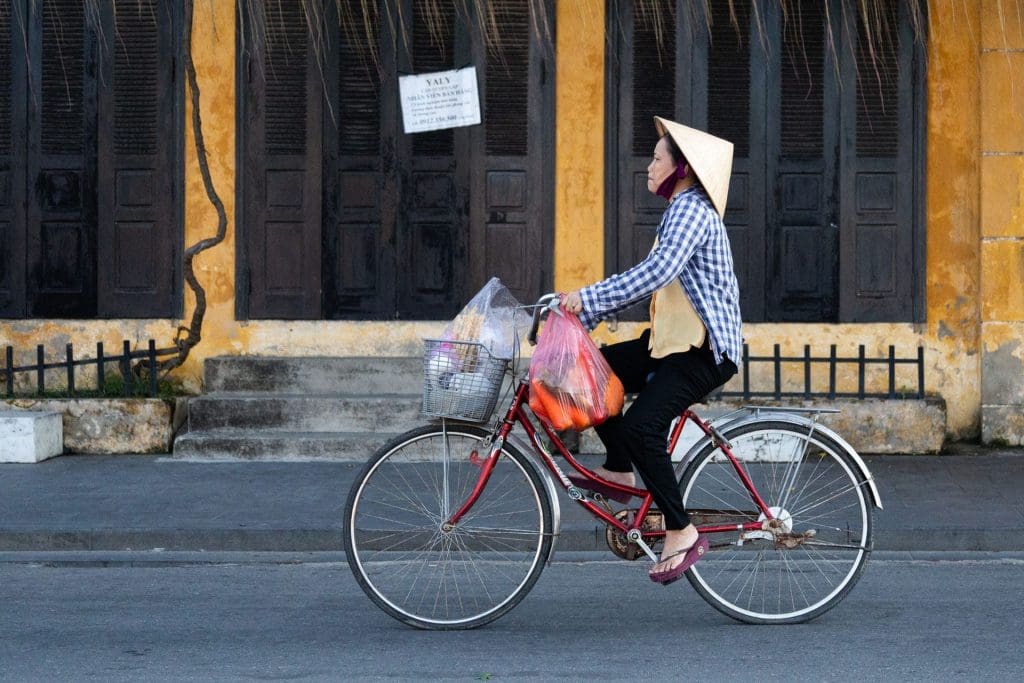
(443, 99)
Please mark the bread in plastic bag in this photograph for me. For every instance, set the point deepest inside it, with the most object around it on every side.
(491, 318)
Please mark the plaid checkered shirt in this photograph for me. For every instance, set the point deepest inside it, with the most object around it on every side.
(694, 247)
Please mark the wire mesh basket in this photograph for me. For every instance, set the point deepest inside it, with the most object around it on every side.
(461, 380)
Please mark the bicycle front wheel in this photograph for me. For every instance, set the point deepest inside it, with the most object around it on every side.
(421, 572)
(805, 561)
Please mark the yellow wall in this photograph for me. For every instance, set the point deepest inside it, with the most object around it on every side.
(1002, 221)
(974, 214)
(579, 144)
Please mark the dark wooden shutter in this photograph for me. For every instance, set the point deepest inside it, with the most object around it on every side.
(12, 173)
(510, 195)
(139, 240)
(283, 160)
(645, 66)
(432, 221)
(878, 268)
(359, 189)
(736, 95)
(803, 242)
(61, 220)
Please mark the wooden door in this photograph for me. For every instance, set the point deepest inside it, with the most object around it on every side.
(412, 225)
(61, 165)
(824, 201)
(281, 189)
(12, 153)
(90, 149)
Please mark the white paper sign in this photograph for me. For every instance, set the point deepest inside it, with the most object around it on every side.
(444, 99)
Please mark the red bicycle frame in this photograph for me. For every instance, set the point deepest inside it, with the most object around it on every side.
(517, 414)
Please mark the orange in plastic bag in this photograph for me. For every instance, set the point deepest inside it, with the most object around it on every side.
(571, 384)
(551, 409)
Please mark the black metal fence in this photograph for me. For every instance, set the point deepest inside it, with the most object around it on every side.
(101, 361)
(832, 361)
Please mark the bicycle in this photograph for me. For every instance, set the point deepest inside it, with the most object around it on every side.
(450, 525)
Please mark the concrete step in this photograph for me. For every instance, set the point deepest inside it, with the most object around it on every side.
(314, 375)
(267, 445)
(305, 413)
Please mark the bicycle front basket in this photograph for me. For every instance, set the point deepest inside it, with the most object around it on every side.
(461, 380)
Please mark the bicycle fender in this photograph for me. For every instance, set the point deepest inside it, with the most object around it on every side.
(734, 422)
(556, 507)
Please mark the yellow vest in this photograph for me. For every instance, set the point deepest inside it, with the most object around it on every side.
(675, 325)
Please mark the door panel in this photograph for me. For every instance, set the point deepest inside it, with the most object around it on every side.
(61, 215)
(877, 278)
(431, 226)
(511, 196)
(282, 189)
(360, 190)
(731, 104)
(802, 242)
(648, 88)
(138, 204)
(12, 149)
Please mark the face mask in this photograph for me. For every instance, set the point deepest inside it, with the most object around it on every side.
(669, 183)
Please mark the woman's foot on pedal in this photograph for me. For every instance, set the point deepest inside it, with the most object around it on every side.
(683, 547)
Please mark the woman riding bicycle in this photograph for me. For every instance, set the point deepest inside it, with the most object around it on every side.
(694, 342)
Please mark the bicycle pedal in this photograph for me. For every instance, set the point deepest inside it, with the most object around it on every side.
(622, 546)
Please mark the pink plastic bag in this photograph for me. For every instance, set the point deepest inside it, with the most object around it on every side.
(571, 384)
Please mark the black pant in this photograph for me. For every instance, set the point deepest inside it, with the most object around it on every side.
(666, 387)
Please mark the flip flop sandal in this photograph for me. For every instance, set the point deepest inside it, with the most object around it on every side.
(690, 557)
(597, 487)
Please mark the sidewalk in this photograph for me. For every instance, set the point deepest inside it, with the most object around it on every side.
(971, 501)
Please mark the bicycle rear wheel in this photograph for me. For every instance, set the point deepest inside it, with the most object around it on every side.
(817, 549)
(435, 578)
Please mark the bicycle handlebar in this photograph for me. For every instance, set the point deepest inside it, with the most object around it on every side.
(548, 302)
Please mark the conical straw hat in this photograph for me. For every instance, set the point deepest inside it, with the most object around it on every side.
(708, 156)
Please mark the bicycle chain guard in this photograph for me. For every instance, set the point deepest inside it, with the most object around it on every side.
(620, 545)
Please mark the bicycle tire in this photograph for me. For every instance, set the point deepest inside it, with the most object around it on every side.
(826, 507)
(417, 572)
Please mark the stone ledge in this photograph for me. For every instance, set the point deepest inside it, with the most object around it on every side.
(109, 425)
(869, 425)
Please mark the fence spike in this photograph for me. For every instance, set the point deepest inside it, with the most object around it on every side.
(10, 371)
(892, 371)
(778, 373)
(807, 371)
(126, 369)
(69, 355)
(860, 372)
(920, 372)
(152, 369)
(746, 371)
(40, 370)
(832, 372)
(100, 369)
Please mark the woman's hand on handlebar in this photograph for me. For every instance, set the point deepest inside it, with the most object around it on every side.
(572, 302)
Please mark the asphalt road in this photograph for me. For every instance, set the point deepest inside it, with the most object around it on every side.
(942, 618)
